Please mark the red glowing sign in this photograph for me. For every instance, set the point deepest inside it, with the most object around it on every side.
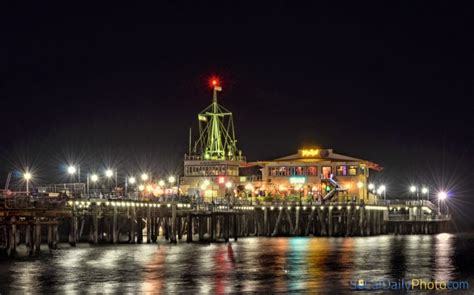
(221, 180)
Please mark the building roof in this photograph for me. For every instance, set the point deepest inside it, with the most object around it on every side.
(317, 155)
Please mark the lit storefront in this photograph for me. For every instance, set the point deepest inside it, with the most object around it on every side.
(313, 175)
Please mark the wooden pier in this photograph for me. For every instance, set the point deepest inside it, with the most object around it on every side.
(126, 221)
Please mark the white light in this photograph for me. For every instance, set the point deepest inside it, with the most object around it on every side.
(161, 183)
(132, 180)
(412, 188)
(141, 187)
(94, 177)
(424, 190)
(71, 169)
(371, 186)
(144, 177)
(360, 184)
(442, 195)
(206, 183)
(171, 179)
(109, 173)
(382, 188)
(27, 175)
(249, 187)
(228, 184)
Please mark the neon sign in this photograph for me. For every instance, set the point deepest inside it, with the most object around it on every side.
(310, 153)
(297, 180)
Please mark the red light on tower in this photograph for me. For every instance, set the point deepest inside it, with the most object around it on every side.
(214, 82)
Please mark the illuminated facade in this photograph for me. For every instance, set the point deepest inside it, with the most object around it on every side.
(211, 167)
(313, 175)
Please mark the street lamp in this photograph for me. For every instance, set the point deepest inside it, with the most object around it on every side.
(371, 186)
(109, 173)
(94, 177)
(171, 179)
(132, 180)
(71, 170)
(27, 176)
(161, 183)
(381, 190)
(144, 177)
(412, 188)
(426, 191)
(442, 196)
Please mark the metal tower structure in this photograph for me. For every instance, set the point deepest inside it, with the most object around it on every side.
(216, 139)
(211, 167)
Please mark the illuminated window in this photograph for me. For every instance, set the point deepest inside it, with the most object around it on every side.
(326, 171)
(341, 170)
(282, 171)
(292, 171)
(353, 170)
(312, 171)
(272, 171)
(300, 170)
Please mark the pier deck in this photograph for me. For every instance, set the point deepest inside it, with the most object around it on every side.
(28, 220)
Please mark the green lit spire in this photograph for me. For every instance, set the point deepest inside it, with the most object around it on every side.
(216, 132)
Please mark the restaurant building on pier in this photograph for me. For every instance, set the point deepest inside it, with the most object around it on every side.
(313, 175)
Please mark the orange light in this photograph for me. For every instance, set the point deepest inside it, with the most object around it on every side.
(214, 82)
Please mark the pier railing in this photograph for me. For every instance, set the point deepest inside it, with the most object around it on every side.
(429, 217)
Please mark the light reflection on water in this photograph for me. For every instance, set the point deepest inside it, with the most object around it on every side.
(249, 265)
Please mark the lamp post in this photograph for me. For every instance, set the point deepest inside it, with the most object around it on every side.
(382, 189)
(144, 177)
(131, 180)
(71, 169)
(27, 176)
(425, 191)
(109, 173)
(371, 187)
(442, 196)
(94, 178)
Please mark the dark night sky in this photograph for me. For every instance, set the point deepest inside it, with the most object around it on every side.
(118, 86)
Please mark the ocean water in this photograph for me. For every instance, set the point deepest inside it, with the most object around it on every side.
(295, 264)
